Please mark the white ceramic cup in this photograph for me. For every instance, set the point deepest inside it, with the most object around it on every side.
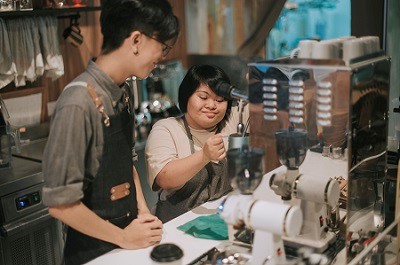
(346, 38)
(341, 40)
(337, 50)
(371, 44)
(352, 49)
(304, 50)
(328, 49)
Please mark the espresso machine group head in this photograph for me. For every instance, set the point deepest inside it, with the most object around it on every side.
(226, 90)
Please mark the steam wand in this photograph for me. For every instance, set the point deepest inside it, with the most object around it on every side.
(240, 126)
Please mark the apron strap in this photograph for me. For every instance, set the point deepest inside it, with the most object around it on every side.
(96, 99)
(77, 83)
(190, 135)
(99, 104)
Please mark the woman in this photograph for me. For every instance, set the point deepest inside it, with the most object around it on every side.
(186, 155)
(91, 184)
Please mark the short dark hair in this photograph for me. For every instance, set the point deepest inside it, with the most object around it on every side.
(209, 75)
(152, 17)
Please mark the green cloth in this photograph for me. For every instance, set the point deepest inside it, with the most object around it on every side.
(208, 227)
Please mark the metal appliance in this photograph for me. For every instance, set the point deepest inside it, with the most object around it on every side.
(344, 110)
(28, 234)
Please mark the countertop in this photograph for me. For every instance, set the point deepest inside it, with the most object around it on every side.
(192, 247)
(196, 247)
(23, 173)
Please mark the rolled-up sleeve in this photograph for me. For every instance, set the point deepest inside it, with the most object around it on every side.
(64, 160)
(160, 150)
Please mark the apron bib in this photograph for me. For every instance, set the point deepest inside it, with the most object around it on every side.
(210, 183)
(111, 194)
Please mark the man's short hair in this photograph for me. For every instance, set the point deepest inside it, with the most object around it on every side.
(119, 18)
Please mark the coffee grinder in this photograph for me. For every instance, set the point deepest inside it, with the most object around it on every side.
(270, 220)
(317, 194)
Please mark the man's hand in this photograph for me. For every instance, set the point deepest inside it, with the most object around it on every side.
(142, 232)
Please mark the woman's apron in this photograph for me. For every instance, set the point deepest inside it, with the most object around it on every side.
(112, 193)
(210, 183)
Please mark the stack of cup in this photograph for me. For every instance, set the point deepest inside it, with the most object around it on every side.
(346, 48)
(371, 44)
(341, 41)
(304, 50)
(358, 47)
(353, 48)
(327, 49)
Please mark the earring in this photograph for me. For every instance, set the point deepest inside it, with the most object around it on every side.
(135, 51)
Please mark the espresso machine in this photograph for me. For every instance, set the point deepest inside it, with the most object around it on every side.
(333, 115)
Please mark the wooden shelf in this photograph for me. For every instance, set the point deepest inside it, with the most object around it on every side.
(49, 11)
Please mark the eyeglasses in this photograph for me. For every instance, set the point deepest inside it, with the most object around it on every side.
(166, 48)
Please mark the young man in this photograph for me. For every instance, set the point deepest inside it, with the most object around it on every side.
(91, 183)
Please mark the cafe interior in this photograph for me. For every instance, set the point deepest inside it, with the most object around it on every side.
(324, 190)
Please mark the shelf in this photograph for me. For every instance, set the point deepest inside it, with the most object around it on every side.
(48, 11)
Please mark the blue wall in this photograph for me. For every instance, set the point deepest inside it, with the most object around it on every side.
(307, 21)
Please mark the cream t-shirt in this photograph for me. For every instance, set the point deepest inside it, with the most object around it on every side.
(168, 141)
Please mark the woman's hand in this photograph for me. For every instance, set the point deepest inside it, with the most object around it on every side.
(142, 232)
(214, 148)
(179, 171)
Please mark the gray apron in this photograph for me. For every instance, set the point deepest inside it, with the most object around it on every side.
(210, 183)
(115, 173)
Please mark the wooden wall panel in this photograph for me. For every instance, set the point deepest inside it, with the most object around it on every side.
(76, 58)
(179, 50)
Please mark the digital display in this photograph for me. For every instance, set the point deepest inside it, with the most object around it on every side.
(27, 200)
